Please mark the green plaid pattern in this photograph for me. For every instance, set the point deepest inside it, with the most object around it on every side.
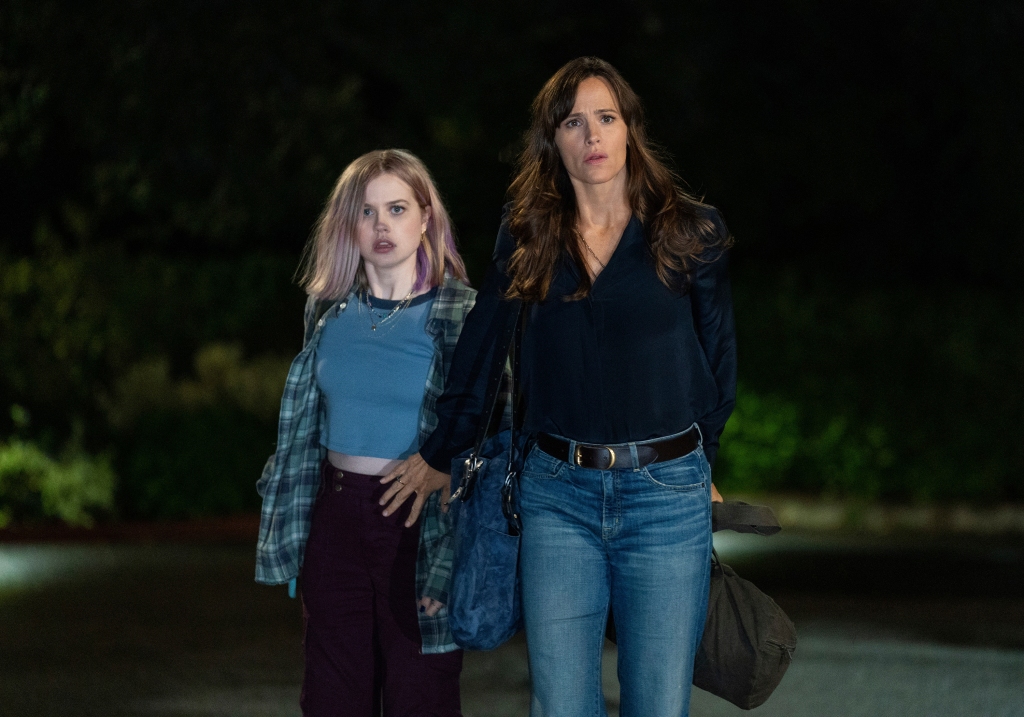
(291, 477)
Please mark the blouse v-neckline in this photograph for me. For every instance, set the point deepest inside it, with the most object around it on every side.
(624, 237)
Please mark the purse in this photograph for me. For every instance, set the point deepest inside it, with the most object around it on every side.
(748, 640)
(484, 604)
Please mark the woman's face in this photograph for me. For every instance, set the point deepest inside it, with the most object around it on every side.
(592, 139)
(391, 223)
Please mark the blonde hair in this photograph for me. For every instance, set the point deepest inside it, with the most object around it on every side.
(331, 263)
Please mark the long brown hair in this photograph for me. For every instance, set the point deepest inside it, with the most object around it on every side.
(544, 211)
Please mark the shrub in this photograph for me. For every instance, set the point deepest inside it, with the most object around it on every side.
(195, 445)
(892, 392)
(759, 443)
(33, 485)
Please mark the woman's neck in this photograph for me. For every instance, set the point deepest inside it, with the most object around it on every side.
(602, 206)
(391, 284)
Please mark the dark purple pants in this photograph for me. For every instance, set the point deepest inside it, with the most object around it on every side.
(362, 637)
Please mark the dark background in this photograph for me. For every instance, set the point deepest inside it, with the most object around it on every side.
(162, 163)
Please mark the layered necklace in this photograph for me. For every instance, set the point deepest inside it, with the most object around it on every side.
(376, 319)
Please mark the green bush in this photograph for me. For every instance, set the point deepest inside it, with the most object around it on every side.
(33, 485)
(222, 378)
(139, 351)
(759, 443)
(897, 393)
(179, 464)
(196, 445)
(766, 447)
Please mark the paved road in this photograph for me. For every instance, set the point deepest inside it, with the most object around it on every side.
(907, 627)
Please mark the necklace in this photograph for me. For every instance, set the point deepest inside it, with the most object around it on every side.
(398, 309)
(603, 265)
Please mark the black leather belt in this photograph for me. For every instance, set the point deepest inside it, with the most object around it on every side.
(603, 458)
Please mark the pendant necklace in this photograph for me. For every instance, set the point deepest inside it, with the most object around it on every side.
(398, 309)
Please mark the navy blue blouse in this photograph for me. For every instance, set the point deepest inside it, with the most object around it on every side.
(632, 361)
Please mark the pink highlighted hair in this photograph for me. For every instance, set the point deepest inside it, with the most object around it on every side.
(331, 264)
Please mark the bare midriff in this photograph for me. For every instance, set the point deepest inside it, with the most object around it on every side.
(367, 465)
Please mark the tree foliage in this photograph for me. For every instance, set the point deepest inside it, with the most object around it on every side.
(161, 165)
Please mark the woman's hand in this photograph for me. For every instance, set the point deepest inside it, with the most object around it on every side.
(429, 606)
(716, 497)
(414, 476)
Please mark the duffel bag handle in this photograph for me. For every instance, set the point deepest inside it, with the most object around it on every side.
(744, 518)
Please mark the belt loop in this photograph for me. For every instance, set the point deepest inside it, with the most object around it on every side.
(572, 454)
(700, 436)
(633, 456)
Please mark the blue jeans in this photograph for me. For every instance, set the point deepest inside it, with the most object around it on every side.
(637, 541)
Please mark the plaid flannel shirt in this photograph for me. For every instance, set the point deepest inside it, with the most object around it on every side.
(291, 477)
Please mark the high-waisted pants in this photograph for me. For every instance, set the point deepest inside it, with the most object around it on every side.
(633, 541)
(362, 638)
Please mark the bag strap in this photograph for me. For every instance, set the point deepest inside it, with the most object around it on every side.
(510, 486)
(744, 518)
(503, 350)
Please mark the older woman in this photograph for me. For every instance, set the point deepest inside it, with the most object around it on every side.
(628, 371)
(387, 299)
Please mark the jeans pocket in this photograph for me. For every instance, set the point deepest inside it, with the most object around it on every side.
(540, 466)
(686, 473)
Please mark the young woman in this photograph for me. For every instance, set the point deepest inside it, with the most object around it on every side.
(387, 300)
(628, 370)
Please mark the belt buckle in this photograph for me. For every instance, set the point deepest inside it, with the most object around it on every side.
(577, 456)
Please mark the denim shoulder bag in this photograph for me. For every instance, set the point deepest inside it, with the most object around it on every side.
(484, 606)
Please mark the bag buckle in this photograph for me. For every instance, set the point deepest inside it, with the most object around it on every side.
(512, 517)
(472, 466)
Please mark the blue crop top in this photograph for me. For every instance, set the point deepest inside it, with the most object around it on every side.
(373, 380)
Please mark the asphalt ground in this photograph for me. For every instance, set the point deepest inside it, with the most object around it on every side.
(905, 626)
